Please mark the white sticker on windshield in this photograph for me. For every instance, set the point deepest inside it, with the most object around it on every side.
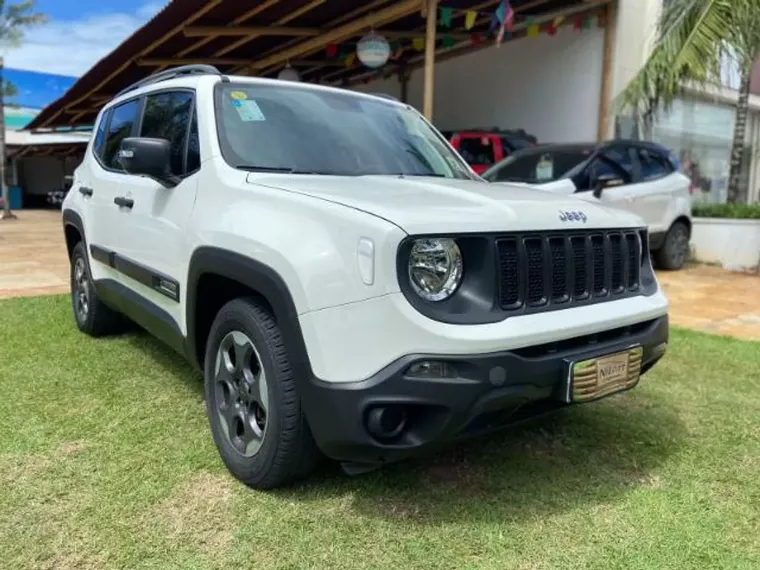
(544, 169)
(248, 110)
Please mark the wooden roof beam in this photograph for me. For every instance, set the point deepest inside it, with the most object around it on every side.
(210, 5)
(239, 20)
(332, 23)
(463, 48)
(284, 20)
(172, 61)
(198, 31)
(219, 31)
(374, 20)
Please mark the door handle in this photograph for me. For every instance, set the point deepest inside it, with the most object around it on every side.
(85, 191)
(123, 202)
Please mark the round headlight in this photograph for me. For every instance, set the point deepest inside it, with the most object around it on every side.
(435, 268)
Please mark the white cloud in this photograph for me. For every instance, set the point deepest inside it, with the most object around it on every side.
(71, 47)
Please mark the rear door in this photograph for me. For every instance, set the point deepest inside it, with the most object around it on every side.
(106, 179)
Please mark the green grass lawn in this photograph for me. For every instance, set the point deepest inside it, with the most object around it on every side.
(106, 461)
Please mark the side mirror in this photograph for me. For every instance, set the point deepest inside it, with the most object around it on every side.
(605, 181)
(148, 157)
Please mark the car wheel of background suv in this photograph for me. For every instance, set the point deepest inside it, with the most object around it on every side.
(675, 249)
(91, 315)
(251, 399)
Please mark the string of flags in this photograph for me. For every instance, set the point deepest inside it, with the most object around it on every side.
(501, 24)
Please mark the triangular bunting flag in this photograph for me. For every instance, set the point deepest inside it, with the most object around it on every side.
(445, 16)
(469, 19)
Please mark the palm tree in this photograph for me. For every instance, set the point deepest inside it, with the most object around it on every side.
(695, 39)
(14, 18)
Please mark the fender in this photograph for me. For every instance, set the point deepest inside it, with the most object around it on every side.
(71, 218)
(258, 277)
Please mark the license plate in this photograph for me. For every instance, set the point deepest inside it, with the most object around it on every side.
(604, 375)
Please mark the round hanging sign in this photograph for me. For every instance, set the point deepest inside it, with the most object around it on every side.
(373, 50)
(289, 74)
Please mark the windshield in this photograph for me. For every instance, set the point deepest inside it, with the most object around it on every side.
(538, 166)
(292, 128)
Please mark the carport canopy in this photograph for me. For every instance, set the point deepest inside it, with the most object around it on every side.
(316, 37)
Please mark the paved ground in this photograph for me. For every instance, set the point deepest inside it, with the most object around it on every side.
(33, 257)
(33, 262)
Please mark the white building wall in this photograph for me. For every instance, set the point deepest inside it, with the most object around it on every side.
(635, 35)
(548, 85)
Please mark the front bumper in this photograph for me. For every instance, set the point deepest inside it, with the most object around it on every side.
(489, 391)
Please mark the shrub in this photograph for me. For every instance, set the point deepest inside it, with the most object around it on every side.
(738, 211)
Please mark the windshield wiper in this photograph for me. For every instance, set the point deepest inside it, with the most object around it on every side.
(254, 168)
(435, 174)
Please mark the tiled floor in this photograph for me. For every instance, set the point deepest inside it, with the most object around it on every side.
(33, 262)
(33, 257)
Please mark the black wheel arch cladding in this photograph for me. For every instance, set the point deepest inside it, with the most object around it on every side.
(259, 278)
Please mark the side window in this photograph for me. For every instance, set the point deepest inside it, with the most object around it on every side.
(601, 166)
(653, 165)
(100, 135)
(522, 169)
(476, 150)
(123, 119)
(621, 155)
(193, 147)
(167, 116)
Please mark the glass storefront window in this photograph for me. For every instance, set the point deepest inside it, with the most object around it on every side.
(700, 133)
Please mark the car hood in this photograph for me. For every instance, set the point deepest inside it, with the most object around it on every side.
(421, 205)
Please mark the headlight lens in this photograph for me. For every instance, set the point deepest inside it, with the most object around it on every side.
(435, 268)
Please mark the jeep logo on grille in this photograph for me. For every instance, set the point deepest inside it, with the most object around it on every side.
(572, 216)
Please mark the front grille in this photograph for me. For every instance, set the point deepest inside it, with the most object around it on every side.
(558, 269)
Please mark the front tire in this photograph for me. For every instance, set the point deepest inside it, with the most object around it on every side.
(675, 250)
(254, 410)
(90, 314)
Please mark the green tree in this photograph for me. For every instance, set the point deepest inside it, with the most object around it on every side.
(14, 19)
(695, 39)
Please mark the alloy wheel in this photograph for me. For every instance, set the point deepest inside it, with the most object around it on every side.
(680, 247)
(81, 291)
(241, 393)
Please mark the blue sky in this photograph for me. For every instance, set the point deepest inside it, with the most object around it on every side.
(78, 34)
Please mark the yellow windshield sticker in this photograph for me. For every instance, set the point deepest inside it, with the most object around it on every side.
(238, 95)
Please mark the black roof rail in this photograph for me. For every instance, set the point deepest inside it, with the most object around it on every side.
(171, 74)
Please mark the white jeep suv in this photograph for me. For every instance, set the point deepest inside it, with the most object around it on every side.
(640, 177)
(346, 283)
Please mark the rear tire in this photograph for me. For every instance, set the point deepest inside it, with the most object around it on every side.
(675, 250)
(90, 314)
(253, 407)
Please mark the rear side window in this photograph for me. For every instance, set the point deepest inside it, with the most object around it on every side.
(653, 164)
(167, 116)
(100, 135)
(476, 150)
(121, 126)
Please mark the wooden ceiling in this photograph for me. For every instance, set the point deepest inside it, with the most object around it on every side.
(313, 36)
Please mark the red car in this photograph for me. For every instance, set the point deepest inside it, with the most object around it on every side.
(482, 148)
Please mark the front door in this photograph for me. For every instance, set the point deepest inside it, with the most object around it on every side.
(154, 248)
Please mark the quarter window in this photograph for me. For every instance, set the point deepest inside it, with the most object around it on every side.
(122, 123)
(100, 135)
(193, 146)
(653, 165)
(167, 116)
